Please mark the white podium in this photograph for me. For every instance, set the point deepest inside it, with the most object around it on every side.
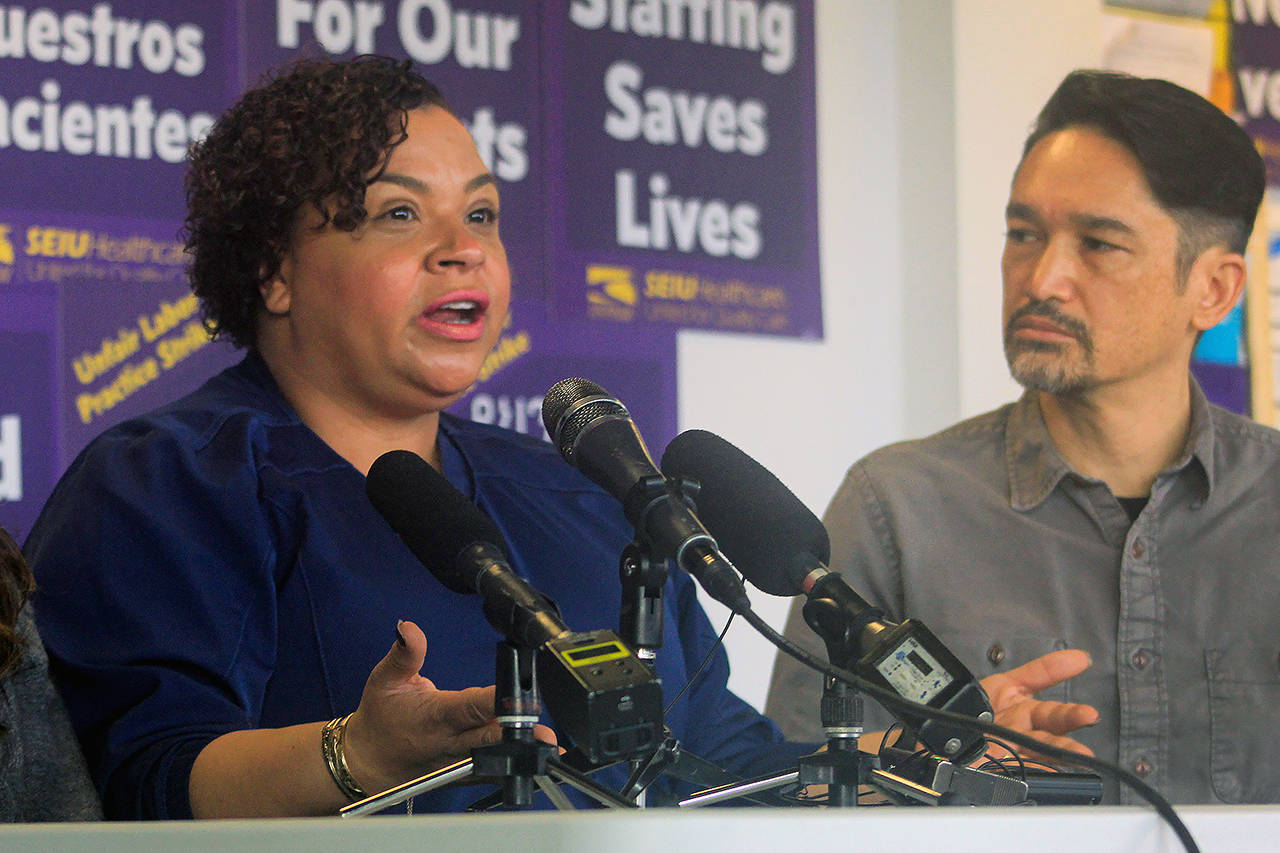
(1078, 829)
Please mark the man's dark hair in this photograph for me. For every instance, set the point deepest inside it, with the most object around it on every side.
(1202, 168)
(316, 134)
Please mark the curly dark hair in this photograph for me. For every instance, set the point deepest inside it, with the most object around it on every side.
(314, 133)
(16, 585)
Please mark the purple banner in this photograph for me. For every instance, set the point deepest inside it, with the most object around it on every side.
(1225, 385)
(1255, 54)
(98, 104)
(29, 462)
(125, 356)
(100, 100)
(534, 353)
(682, 175)
(129, 335)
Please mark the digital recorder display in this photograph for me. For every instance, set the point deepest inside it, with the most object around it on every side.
(913, 672)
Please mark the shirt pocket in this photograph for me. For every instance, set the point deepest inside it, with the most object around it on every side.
(1244, 747)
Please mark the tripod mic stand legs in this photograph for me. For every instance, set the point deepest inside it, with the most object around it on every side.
(554, 773)
(456, 772)
(518, 762)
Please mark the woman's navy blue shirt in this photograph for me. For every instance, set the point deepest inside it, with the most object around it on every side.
(214, 566)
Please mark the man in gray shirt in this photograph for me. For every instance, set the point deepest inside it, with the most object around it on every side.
(1111, 508)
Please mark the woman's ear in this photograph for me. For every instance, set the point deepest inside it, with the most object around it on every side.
(277, 296)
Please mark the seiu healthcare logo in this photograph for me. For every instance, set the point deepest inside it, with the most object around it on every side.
(6, 245)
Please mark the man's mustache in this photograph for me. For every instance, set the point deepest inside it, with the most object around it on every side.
(1048, 311)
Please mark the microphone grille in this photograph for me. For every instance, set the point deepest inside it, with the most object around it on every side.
(570, 405)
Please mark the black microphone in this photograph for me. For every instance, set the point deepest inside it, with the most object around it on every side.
(773, 538)
(598, 691)
(459, 545)
(595, 434)
(782, 548)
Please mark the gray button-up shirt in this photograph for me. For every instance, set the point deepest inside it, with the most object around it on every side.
(985, 534)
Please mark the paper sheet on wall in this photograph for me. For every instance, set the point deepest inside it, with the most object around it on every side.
(1179, 50)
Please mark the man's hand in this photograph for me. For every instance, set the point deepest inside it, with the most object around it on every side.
(406, 727)
(1013, 698)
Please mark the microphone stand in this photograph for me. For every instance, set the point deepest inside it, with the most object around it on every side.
(641, 625)
(518, 762)
(641, 621)
(843, 767)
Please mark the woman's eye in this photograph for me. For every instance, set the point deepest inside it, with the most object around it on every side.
(400, 213)
(483, 216)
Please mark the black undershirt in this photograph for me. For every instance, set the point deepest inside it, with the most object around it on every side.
(1133, 506)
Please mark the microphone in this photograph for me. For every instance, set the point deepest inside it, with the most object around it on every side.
(776, 542)
(595, 434)
(782, 548)
(598, 691)
(459, 545)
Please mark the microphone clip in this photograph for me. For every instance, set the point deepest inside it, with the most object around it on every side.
(641, 620)
(841, 631)
(643, 572)
(654, 491)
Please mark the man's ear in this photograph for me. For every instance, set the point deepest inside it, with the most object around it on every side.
(1218, 276)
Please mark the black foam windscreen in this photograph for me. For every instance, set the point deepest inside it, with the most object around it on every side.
(433, 518)
(758, 522)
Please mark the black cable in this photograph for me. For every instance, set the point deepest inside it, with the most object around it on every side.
(892, 700)
(1013, 755)
(705, 661)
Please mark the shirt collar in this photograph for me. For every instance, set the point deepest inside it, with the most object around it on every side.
(1035, 466)
(256, 375)
(454, 463)
(1200, 440)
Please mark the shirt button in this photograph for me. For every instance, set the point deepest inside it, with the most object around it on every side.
(1143, 767)
(1141, 659)
(1139, 548)
(995, 654)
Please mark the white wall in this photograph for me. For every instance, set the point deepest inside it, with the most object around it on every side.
(922, 108)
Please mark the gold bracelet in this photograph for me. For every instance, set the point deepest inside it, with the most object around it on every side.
(331, 738)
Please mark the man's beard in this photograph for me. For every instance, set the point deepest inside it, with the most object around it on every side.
(1049, 366)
